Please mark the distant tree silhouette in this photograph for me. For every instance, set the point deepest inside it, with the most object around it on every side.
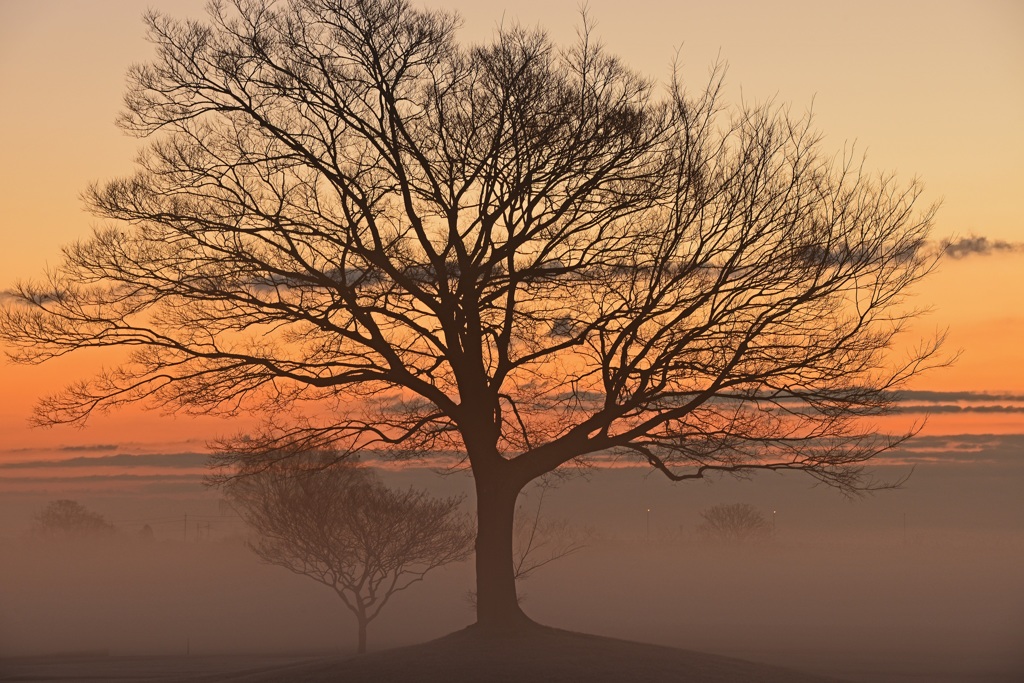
(733, 522)
(379, 238)
(70, 519)
(339, 525)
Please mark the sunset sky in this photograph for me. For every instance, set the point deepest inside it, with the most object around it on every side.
(929, 90)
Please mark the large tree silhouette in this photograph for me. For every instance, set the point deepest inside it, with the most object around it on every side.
(377, 237)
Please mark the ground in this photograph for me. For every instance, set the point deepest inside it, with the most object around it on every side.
(543, 654)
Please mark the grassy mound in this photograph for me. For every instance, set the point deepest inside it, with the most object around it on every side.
(538, 654)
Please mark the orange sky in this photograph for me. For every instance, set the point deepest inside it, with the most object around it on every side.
(930, 89)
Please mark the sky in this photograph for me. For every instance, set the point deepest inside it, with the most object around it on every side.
(928, 90)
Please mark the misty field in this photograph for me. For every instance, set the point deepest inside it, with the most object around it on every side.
(841, 589)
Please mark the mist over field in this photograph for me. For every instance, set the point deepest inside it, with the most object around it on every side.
(921, 583)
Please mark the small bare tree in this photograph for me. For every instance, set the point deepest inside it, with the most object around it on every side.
(538, 541)
(733, 522)
(70, 519)
(339, 525)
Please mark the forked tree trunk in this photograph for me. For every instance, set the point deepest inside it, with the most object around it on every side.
(497, 604)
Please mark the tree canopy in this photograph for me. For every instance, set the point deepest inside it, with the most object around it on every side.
(523, 254)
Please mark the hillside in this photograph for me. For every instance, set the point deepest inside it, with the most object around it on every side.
(544, 654)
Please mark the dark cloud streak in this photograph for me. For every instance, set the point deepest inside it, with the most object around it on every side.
(957, 402)
(975, 245)
(966, 396)
(162, 460)
(947, 408)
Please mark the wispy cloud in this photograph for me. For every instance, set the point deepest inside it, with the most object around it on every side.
(124, 460)
(966, 396)
(90, 447)
(966, 442)
(975, 245)
(952, 408)
(958, 402)
(995, 452)
(70, 448)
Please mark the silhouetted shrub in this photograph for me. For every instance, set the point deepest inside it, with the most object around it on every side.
(733, 522)
(70, 519)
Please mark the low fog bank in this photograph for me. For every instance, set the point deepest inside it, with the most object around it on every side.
(917, 584)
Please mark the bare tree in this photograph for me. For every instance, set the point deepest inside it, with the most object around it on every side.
(341, 526)
(518, 253)
(70, 519)
(733, 522)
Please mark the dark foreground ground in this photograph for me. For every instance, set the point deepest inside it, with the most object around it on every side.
(101, 668)
(544, 654)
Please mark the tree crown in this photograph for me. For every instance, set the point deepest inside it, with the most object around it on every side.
(349, 221)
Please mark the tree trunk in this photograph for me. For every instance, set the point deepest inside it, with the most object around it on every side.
(497, 604)
(361, 646)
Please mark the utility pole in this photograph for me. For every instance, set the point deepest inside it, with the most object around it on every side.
(648, 525)
(184, 529)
